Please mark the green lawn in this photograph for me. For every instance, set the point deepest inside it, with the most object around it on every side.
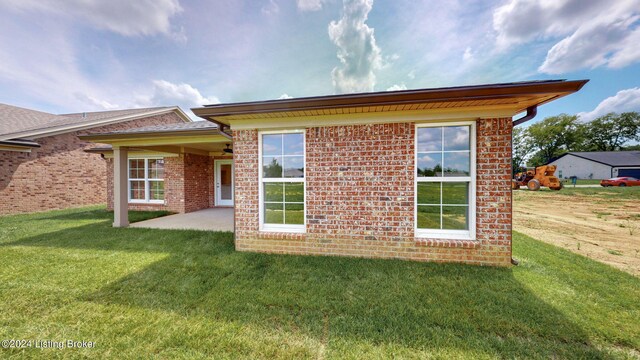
(188, 294)
(627, 193)
(567, 182)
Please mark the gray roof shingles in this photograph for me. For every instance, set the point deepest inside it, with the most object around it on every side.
(196, 125)
(611, 158)
(16, 120)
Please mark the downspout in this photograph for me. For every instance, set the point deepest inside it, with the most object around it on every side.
(532, 111)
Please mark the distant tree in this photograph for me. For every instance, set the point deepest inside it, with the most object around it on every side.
(521, 148)
(553, 137)
(610, 132)
(631, 147)
(273, 169)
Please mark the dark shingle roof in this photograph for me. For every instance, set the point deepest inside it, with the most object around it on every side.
(196, 125)
(101, 115)
(14, 118)
(611, 158)
(20, 122)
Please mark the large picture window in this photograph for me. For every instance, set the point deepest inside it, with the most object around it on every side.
(146, 180)
(282, 181)
(445, 181)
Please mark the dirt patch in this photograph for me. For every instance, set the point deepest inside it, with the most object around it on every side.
(599, 227)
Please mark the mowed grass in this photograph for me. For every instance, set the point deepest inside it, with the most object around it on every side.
(629, 192)
(567, 182)
(187, 294)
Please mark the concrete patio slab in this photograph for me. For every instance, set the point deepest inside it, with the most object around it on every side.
(215, 219)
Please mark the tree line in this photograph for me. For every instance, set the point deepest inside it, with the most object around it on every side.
(546, 140)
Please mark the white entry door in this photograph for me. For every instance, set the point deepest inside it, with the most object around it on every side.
(224, 182)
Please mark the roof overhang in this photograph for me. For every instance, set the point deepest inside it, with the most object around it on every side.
(19, 145)
(208, 141)
(491, 100)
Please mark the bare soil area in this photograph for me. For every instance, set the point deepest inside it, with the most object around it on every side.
(603, 226)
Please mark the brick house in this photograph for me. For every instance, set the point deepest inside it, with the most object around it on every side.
(43, 163)
(415, 174)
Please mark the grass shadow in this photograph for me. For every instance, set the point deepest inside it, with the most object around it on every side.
(348, 304)
(99, 212)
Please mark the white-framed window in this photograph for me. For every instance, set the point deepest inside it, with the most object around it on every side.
(282, 183)
(146, 180)
(445, 180)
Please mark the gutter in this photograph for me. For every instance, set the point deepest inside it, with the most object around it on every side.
(20, 143)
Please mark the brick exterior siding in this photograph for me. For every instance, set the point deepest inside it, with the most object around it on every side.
(360, 196)
(60, 174)
(188, 184)
(197, 177)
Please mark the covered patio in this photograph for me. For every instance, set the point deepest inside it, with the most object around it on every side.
(192, 171)
(214, 219)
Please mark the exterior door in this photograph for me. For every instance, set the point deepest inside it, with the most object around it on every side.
(224, 182)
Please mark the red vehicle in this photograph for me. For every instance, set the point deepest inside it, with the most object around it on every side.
(620, 181)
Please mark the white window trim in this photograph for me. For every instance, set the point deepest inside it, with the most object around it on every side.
(449, 234)
(281, 227)
(146, 180)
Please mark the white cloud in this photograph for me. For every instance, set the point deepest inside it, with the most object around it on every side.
(270, 8)
(593, 45)
(629, 51)
(468, 55)
(309, 5)
(427, 158)
(432, 54)
(165, 93)
(357, 50)
(41, 63)
(94, 102)
(519, 21)
(592, 33)
(285, 96)
(125, 17)
(397, 87)
(624, 101)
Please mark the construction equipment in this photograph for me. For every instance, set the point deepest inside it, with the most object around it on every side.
(534, 178)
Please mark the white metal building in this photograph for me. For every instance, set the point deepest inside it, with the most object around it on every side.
(598, 164)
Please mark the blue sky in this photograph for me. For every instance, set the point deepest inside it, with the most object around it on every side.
(89, 55)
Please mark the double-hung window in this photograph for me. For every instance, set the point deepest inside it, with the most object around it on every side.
(282, 186)
(445, 181)
(146, 180)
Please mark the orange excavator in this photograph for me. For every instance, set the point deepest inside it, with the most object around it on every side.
(534, 178)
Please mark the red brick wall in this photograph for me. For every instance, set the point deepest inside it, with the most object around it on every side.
(360, 196)
(60, 174)
(245, 161)
(188, 184)
(197, 177)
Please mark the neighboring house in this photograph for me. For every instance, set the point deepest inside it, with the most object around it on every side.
(43, 164)
(598, 164)
(415, 174)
